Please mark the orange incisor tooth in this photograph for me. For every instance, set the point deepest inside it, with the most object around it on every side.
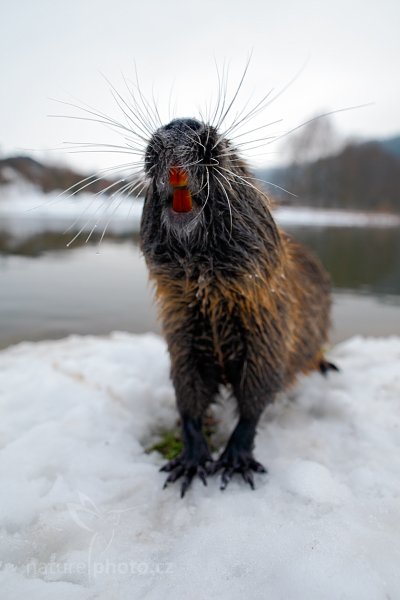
(182, 200)
(178, 177)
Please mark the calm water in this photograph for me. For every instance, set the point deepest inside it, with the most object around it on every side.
(48, 291)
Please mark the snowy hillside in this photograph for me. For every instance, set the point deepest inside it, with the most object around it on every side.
(82, 510)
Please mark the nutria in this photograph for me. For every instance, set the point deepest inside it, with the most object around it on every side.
(241, 303)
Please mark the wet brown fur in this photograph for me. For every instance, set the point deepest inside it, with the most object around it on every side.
(283, 310)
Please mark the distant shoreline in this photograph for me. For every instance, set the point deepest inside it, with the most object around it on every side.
(25, 211)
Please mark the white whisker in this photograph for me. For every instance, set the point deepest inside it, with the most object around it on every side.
(229, 205)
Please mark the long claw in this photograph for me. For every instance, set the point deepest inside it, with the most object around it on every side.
(186, 483)
(226, 477)
(257, 467)
(170, 466)
(174, 475)
(248, 477)
(201, 472)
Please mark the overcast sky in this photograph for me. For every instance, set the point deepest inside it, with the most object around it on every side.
(53, 49)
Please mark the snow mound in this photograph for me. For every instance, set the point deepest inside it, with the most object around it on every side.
(82, 510)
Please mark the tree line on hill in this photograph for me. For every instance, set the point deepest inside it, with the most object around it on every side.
(359, 176)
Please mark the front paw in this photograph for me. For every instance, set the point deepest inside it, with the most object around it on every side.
(236, 460)
(187, 468)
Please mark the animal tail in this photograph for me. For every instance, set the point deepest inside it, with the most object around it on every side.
(325, 366)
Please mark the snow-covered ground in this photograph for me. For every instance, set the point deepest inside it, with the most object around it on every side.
(26, 211)
(82, 510)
